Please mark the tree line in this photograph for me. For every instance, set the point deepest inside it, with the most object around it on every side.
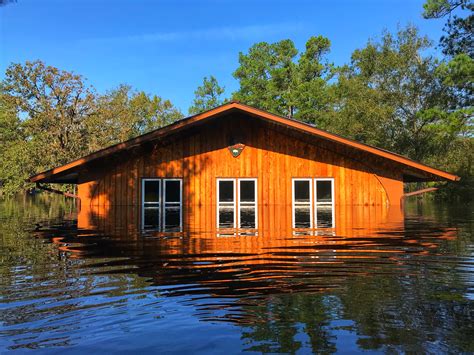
(393, 93)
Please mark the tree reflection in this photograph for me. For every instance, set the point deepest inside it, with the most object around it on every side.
(392, 287)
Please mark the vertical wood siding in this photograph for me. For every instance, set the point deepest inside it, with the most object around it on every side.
(272, 154)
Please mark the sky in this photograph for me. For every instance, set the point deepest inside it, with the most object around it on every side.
(167, 47)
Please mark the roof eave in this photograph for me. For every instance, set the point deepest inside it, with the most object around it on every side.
(192, 120)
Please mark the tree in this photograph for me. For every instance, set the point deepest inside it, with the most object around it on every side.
(10, 124)
(63, 119)
(13, 146)
(123, 113)
(394, 97)
(272, 78)
(458, 38)
(55, 104)
(207, 96)
(458, 45)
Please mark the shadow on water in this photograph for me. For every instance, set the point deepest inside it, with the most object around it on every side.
(406, 286)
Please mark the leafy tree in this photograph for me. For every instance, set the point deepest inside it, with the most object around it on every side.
(62, 119)
(458, 38)
(55, 104)
(393, 96)
(272, 78)
(207, 96)
(123, 113)
(13, 147)
(10, 124)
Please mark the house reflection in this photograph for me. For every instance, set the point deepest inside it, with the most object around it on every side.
(350, 220)
(357, 228)
(301, 275)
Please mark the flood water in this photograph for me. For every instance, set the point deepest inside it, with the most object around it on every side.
(406, 287)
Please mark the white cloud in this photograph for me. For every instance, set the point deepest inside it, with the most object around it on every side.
(217, 33)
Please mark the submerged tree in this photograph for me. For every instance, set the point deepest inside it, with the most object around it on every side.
(207, 96)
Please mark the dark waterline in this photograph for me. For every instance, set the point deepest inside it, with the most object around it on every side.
(405, 289)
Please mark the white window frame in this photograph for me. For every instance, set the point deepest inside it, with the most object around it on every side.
(161, 204)
(219, 203)
(294, 203)
(236, 205)
(151, 203)
(313, 201)
(248, 204)
(172, 204)
(316, 203)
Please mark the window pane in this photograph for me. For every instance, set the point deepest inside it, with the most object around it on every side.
(172, 218)
(247, 217)
(151, 217)
(247, 191)
(303, 217)
(172, 191)
(226, 191)
(301, 191)
(324, 216)
(323, 191)
(226, 217)
(152, 190)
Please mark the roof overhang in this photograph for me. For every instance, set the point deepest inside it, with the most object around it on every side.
(68, 173)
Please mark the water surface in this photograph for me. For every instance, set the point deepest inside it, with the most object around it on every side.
(406, 287)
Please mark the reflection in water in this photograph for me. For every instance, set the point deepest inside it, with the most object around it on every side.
(377, 281)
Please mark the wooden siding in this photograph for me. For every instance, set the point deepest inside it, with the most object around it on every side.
(412, 171)
(273, 154)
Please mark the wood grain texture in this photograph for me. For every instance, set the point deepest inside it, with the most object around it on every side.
(272, 154)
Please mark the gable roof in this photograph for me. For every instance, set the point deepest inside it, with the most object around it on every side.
(68, 173)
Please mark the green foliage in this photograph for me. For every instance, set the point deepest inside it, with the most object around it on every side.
(458, 38)
(458, 74)
(459, 158)
(272, 78)
(207, 96)
(441, 8)
(55, 104)
(393, 96)
(12, 146)
(123, 113)
(49, 117)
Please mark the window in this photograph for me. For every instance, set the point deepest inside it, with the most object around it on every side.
(162, 204)
(237, 209)
(172, 204)
(151, 207)
(302, 202)
(226, 203)
(324, 189)
(321, 211)
(247, 203)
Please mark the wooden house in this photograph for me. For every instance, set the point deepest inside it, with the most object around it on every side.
(236, 166)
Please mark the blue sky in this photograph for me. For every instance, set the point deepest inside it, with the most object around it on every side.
(167, 47)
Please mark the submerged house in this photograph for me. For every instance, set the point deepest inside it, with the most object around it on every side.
(236, 166)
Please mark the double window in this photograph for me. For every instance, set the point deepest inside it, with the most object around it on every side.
(162, 204)
(313, 203)
(237, 203)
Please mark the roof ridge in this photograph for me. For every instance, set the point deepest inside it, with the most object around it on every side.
(194, 119)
